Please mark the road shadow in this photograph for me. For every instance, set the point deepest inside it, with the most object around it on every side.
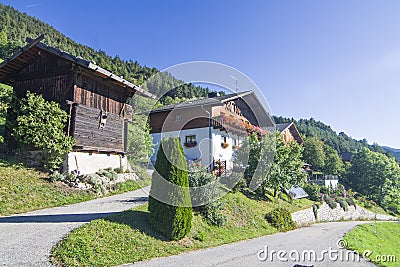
(137, 220)
(135, 200)
(56, 218)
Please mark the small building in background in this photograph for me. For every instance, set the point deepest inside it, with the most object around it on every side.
(289, 132)
(331, 181)
(94, 98)
(346, 156)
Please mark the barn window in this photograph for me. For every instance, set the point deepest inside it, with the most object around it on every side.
(103, 119)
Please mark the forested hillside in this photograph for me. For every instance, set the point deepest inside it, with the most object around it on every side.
(339, 141)
(15, 27)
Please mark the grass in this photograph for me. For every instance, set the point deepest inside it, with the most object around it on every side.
(371, 207)
(23, 189)
(127, 236)
(382, 239)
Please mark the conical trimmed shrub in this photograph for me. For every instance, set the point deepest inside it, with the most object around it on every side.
(169, 206)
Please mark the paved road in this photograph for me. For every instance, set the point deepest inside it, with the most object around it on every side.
(26, 239)
(319, 237)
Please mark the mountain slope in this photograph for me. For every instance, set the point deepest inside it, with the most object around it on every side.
(341, 142)
(15, 27)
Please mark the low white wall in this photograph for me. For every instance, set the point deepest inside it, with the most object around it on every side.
(87, 163)
(326, 214)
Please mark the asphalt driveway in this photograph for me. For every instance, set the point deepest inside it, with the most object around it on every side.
(26, 239)
(316, 238)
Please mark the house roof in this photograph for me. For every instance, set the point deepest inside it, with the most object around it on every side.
(282, 126)
(297, 192)
(212, 101)
(261, 115)
(292, 128)
(23, 57)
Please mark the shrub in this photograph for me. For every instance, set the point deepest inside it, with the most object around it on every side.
(343, 203)
(212, 213)
(109, 173)
(315, 208)
(118, 170)
(313, 191)
(200, 235)
(41, 124)
(331, 203)
(350, 201)
(56, 176)
(281, 219)
(324, 190)
(172, 221)
(211, 210)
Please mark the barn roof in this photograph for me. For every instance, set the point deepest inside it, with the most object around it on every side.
(24, 55)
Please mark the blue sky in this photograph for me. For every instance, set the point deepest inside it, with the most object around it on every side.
(335, 61)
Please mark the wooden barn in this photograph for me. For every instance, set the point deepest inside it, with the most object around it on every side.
(94, 98)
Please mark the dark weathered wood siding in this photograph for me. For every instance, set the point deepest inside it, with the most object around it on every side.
(56, 88)
(89, 136)
(81, 93)
(189, 118)
(95, 93)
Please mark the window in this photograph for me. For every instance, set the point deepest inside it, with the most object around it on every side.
(177, 117)
(190, 140)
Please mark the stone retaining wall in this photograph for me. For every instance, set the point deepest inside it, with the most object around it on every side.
(326, 214)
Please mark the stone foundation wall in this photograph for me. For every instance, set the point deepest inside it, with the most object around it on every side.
(326, 214)
(87, 163)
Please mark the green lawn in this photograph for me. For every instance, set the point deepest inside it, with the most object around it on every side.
(127, 237)
(23, 190)
(372, 207)
(382, 239)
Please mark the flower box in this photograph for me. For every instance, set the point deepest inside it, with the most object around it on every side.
(190, 144)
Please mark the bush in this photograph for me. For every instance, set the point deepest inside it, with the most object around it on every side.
(201, 184)
(56, 176)
(350, 201)
(343, 203)
(324, 190)
(331, 203)
(212, 213)
(313, 191)
(109, 173)
(174, 222)
(201, 236)
(41, 124)
(315, 208)
(281, 219)
(118, 170)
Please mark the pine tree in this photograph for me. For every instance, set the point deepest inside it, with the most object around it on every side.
(170, 207)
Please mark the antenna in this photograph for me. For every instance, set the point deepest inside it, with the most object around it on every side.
(236, 81)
